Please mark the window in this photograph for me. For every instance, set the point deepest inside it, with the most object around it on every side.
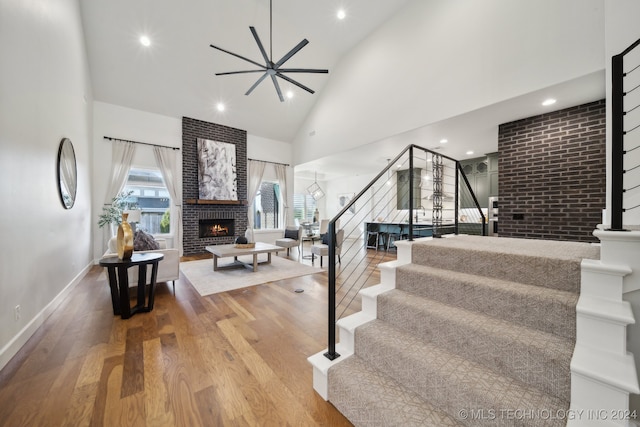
(151, 196)
(266, 206)
(303, 207)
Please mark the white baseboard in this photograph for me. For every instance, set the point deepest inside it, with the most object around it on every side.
(16, 343)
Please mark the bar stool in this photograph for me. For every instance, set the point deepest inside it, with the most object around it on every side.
(391, 238)
(373, 244)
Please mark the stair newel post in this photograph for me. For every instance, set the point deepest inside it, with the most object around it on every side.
(331, 345)
(617, 141)
(411, 207)
(456, 205)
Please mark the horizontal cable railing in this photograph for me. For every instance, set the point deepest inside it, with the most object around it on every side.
(418, 194)
(625, 134)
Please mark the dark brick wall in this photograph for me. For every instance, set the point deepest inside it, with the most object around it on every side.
(552, 173)
(193, 129)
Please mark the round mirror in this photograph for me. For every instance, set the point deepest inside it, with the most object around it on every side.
(67, 173)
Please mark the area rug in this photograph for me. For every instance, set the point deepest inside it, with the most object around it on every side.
(206, 281)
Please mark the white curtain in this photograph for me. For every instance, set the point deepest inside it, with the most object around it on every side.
(281, 173)
(255, 173)
(166, 159)
(121, 157)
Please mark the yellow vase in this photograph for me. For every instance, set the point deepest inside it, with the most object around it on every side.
(125, 239)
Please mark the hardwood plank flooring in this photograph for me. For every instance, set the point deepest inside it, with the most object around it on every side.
(236, 358)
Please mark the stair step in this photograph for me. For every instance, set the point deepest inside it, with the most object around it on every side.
(551, 264)
(449, 382)
(531, 356)
(546, 309)
(369, 398)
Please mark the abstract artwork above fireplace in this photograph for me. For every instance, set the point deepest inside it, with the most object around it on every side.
(217, 177)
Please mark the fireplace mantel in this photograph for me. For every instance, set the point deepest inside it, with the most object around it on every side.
(215, 202)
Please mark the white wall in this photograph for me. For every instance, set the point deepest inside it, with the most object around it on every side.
(453, 56)
(45, 95)
(126, 123)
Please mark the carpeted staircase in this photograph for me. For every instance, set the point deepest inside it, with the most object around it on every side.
(479, 331)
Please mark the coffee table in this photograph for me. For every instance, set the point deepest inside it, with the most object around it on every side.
(224, 251)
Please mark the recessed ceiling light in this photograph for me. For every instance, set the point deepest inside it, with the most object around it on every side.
(444, 141)
(220, 106)
(469, 153)
(145, 41)
(341, 14)
(548, 102)
(289, 94)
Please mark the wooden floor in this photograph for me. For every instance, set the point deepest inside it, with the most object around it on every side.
(231, 359)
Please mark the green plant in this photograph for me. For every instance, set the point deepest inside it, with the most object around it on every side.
(165, 222)
(112, 214)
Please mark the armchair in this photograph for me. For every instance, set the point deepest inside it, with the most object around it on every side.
(322, 249)
(291, 238)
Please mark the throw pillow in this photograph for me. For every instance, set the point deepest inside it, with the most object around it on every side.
(325, 238)
(144, 242)
(291, 233)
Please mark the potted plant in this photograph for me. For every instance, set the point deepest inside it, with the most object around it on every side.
(112, 214)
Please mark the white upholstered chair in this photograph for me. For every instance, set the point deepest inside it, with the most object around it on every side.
(321, 249)
(290, 239)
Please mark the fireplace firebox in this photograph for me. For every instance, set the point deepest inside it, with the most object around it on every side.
(215, 228)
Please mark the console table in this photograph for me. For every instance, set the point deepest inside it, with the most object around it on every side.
(119, 283)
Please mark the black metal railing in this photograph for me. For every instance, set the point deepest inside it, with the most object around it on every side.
(625, 134)
(419, 193)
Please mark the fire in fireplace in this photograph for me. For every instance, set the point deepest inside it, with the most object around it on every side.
(215, 228)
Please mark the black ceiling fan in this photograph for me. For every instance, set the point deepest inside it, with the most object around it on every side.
(270, 68)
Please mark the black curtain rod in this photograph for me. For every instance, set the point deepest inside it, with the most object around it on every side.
(138, 142)
(265, 161)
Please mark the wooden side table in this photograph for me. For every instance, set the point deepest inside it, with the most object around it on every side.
(119, 283)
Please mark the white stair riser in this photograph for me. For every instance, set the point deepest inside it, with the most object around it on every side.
(622, 248)
(601, 334)
(602, 399)
(320, 383)
(370, 305)
(346, 338)
(601, 285)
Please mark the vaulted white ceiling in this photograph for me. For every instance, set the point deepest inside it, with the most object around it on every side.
(391, 67)
(175, 75)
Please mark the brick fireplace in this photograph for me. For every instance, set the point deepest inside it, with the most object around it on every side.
(232, 216)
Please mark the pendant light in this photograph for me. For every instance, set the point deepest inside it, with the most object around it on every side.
(315, 190)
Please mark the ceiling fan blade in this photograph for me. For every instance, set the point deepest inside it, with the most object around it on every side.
(260, 46)
(238, 56)
(239, 72)
(275, 83)
(292, 52)
(256, 83)
(301, 70)
(300, 85)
